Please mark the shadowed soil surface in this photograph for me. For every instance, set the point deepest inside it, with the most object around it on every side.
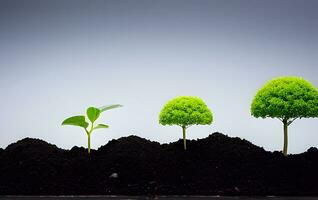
(216, 165)
(157, 198)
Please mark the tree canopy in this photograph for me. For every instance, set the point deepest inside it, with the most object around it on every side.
(286, 98)
(185, 111)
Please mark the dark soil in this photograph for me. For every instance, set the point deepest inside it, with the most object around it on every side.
(216, 165)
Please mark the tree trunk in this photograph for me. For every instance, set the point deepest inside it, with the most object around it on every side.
(184, 138)
(285, 137)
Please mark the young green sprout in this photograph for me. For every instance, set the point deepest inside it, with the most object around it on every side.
(92, 114)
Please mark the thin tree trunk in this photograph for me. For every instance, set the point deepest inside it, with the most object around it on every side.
(285, 137)
(184, 138)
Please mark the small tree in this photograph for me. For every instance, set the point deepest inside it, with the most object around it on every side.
(92, 114)
(287, 99)
(185, 111)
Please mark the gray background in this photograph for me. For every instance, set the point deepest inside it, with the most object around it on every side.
(59, 57)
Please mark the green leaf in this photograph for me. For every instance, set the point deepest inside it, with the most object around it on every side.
(101, 126)
(76, 121)
(108, 107)
(93, 113)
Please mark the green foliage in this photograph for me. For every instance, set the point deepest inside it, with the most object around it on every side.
(109, 107)
(101, 126)
(92, 114)
(286, 98)
(185, 111)
(76, 121)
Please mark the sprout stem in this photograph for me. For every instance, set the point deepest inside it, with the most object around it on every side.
(89, 143)
(89, 138)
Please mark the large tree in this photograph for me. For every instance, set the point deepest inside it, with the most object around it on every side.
(287, 99)
(185, 111)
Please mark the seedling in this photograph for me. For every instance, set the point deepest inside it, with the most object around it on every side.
(92, 114)
(185, 111)
(287, 99)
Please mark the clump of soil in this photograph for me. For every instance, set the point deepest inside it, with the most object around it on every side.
(1, 151)
(216, 165)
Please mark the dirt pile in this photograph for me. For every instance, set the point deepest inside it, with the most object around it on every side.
(132, 165)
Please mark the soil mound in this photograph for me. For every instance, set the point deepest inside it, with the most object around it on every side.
(132, 160)
(216, 165)
(27, 166)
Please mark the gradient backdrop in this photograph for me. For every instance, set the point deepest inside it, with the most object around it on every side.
(59, 57)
